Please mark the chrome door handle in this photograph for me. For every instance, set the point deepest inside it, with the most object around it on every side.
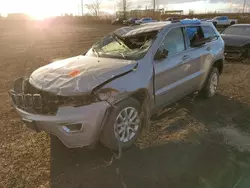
(185, 57)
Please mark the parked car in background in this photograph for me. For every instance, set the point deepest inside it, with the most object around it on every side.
(130, 21)
(237, 41)
(172, 19)
(223, 21)
(110, 92)
(117, 21)
(144, 20)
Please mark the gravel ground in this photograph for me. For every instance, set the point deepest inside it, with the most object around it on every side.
(196, 143)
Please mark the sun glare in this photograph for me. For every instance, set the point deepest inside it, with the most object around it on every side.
(39, 9)
(39, 15)
(43, 10)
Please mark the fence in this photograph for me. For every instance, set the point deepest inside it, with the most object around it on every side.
(155, 14)
(242, 18)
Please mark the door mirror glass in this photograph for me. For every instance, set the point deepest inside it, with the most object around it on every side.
(161, 54)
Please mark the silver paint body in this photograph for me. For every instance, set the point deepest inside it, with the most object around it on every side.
(164, 81)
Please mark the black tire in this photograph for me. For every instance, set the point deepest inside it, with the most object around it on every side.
(206, 91)
(232, 23)
(108, 137)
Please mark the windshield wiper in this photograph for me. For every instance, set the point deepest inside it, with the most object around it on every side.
(97, 53)
(116, 39)
(122, 55)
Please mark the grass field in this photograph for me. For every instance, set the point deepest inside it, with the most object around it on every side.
(200, 143)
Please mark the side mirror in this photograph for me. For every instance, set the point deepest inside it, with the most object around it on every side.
(161, 54)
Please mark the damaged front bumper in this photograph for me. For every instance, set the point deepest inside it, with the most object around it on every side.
(74, 126)
(76, 121)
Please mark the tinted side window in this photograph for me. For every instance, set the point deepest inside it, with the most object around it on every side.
(173, 41)
(194, 33)
(208, 31)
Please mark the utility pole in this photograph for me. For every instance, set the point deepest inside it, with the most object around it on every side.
(244, 6)
(154, 8)
(154, 4)
(82, 6)
(78, 10)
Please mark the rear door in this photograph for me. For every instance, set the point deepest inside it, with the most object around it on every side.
(197, 56)
(213, 50)
(171, 73)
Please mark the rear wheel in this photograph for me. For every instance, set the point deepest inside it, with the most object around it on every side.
(123, 125)
(232, 23)
(211, 84)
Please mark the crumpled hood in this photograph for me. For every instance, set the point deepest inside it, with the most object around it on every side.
(235, 40)
(80, 74)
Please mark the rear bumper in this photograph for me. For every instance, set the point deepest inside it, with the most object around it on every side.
(88, 118)
(233, 55)
(232, 52)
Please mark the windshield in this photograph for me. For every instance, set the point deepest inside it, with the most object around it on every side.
(131, 48)
(238, 31)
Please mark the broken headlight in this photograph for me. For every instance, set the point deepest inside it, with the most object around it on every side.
(106, 94)
(69, 100)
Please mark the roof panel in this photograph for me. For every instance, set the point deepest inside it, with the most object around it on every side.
(140, 29)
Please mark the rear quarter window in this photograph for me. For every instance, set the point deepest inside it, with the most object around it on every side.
(208, 31)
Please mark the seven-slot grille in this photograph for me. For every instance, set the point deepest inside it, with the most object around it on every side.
(27, 101)
(31, 99)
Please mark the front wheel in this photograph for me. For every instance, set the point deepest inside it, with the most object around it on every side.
(123, 125)
(211, 84)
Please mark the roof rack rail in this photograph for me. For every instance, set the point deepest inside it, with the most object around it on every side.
(190, 21)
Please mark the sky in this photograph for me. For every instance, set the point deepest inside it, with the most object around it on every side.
(46, 8)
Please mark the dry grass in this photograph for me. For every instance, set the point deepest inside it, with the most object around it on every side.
(26, 157)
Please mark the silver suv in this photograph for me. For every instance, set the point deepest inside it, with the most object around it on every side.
(110, 92)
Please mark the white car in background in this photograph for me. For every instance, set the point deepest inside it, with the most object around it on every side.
(223, 21)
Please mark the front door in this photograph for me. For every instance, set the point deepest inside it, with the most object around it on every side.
(170, 71)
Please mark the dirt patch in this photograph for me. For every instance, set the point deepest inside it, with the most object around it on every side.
(181, 148)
